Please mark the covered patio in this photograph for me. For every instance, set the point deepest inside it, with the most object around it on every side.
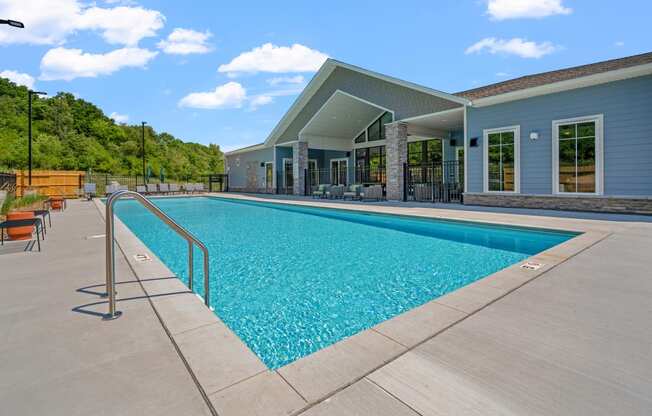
(350, 140)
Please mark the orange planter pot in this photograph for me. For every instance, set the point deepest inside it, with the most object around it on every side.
(56, 203)
(20, 233)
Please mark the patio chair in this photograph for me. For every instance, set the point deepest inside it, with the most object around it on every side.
(164, 188)
(372, 192)
(174, 188)
(353, 192)
(321, 191)
(188, 188)
(151, 188)
(336, 191)
(111, 188)
(199, 187)
(90, 190)
(141, 189)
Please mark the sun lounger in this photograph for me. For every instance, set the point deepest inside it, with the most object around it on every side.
(336, 191)
(372, 192)
(174, 188)
(152, 188)
(141, 189)
(164, 188)
(353, 192)
(321, 191)
(199, 187)
(90, 190)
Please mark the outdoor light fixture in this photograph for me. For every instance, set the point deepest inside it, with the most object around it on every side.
(13, 23)
(473, 142)
(534, 135)
(453, 142)
(30, 93)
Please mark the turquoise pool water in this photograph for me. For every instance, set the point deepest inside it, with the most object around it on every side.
(291, 280)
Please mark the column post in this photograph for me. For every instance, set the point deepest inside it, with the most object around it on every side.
(299, 166)
(396, 157)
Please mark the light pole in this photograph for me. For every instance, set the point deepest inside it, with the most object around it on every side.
(29, 128)
(13, 23)
(142, 126)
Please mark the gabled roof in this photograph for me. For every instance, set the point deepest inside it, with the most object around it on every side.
(322, 75)
(544, 78)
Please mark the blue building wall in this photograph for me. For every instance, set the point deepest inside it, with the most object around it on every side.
(627, 109)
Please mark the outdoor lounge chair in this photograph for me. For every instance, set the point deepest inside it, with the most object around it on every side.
(164, 188)
(174, 188)
(151, 188)
(372, 192)
(141, 189)
(321, 191)
(188, 187)
(199, 187)
(353, 192)
(336, 191)
(90, 190)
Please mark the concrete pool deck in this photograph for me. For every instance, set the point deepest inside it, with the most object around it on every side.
(570, 338)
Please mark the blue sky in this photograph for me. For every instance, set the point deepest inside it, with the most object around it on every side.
(226, 72)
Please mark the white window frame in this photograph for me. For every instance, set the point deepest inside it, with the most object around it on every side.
(316, 168)
(598, 119)
(517, 158)
(338, 160)
(266, 184)
(284, 176)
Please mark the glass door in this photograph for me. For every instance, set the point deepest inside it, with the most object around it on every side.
(339, 171)
(288, 176)
(269, 176)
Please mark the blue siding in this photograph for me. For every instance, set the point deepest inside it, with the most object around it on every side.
(627, 109)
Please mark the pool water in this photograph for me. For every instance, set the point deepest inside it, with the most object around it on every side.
(291, 280)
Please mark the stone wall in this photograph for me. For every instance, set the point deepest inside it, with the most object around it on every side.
(396, 157)
(629, 205)
(299, 166)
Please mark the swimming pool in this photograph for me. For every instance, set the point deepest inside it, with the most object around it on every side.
(290, 280)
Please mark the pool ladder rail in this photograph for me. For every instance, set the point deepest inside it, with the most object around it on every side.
(110, 248)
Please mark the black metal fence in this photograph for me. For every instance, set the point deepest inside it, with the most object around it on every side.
(8, 182)
(434, 182)
(218, 182)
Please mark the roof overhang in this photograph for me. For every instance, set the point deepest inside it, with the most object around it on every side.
(436, 123)
(322, 75)
(571, 84)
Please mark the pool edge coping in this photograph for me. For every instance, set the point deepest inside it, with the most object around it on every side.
(336, 364)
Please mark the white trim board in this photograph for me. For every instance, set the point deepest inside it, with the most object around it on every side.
(485, 155)
(599, 154)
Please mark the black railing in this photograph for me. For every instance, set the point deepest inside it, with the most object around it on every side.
(8, 182)
(285, 182)
(371, 176)
(218, 182)
(434, 182)
(101, 180)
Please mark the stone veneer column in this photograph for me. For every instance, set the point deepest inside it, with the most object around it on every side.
(299, 166)
(395, 157)
(252, 177)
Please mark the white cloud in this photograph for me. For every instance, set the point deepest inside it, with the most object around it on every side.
(259, 101)
(186, 41)
(515, 46)
(502, 74)
(68, 64)
(230, 95)
(619, 44)
(275, 59)
(119, 118)
(51, 22)
(515, 9)
(299, 79)
(18, 78)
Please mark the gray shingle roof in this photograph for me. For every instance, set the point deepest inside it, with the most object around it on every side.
(544, 78)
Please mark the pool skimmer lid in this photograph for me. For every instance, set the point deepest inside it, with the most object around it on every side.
(142, 257)
(531, 265)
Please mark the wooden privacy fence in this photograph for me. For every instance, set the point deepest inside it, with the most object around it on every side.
(51, 182)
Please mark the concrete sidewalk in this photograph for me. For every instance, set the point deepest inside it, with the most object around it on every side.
(58, 357)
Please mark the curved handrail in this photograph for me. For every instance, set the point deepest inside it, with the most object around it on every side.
(110, 247)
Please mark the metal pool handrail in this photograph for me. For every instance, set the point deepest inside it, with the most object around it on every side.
(110, 247)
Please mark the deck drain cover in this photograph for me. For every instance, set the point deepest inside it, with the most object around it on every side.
(91, 237)
(142, 257)
(530, 265)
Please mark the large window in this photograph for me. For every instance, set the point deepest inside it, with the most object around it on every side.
(376, 130)
(370, 164)
(501, 159)
(577, 152)
(425, 152)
